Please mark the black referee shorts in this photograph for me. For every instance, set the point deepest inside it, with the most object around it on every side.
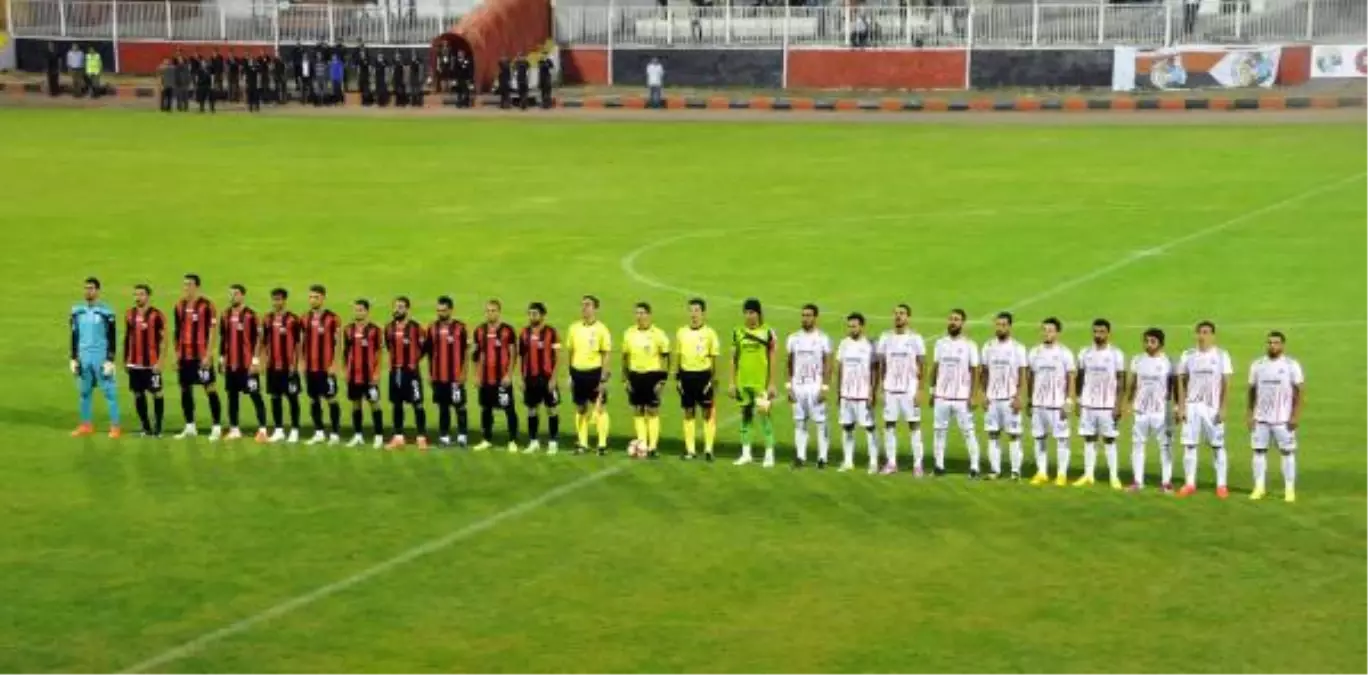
(695, 389)
(641, 389)
(586, 386)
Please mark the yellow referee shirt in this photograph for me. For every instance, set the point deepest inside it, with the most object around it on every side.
(589, 342)
(698, 348)
(647, 350)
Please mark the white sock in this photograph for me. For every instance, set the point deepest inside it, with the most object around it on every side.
(800, 440)
(872, 438)
(1221, 468)
(1190, 465)
(1138, 463)
(1260, 463)
(1014, 449)
(1089, 458)
(891, 444)
(938, 447)
(1165, 462)
(1042, 457)
(848, 446)
(972, 441)
(1289, 468)
(917, 450)
(1112, 468)
(994, 455)
(1062, 457)
(823, 442)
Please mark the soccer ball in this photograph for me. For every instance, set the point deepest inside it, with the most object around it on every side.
(636, 449)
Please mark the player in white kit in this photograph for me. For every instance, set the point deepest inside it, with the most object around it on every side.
(1102, 384)
(954, 382)
(1004, 384)
(1203, 382)
(809, 370)
(900, 355)
(855, 374)
(1151, 399)
(1052, 376)
(1276, 384)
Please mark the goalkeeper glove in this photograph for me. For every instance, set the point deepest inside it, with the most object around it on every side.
(75, 367)
(108, 369)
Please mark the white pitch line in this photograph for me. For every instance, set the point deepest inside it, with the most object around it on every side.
(428, 548)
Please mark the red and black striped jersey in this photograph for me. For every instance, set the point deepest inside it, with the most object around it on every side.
(194, 321)
(405, 344)
(494, 346)
(447, 342)
(281, 333)
(362, 356)
(320, 340)
(239, 333)
(537, 349)
(143, 334)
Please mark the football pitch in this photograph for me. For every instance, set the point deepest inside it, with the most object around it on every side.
(168, 555)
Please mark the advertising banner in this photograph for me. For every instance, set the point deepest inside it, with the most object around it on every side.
(1195, 67)
(1339, 61)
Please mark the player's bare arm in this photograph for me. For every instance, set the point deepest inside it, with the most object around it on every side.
(978, 386)
(772, 373)
(1019, 399)
(789, 387)
(921, 368)
(212, 345)
(1120, 396)
(931, 380)
(1225, 391)
(513, 358)
(1250, 398)
(1294, 420)
(1075, 385)
(826, 377)
(735, 364)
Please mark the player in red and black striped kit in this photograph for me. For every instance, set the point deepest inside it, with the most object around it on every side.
(281, 334)
(196, 321)
(404, 339)
(239, 336)
(318, 354)
(495, 355)
(143, 347)
(361, 343)
(538, 345)
(447, 340)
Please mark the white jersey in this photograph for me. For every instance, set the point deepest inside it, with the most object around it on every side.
(955, 359)
(1204, 370)
(856, 357)
(1101, 370)
(1274, 381)
(809, 350)
(1050, 367)
(1152, 375)
(899, 352)
(1004, 360)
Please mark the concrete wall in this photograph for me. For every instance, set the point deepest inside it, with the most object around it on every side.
(877, 69)
(1049, 68)
(760, 68)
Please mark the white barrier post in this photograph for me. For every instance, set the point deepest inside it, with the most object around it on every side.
(845, 25)
(1035, 23)
(1102, 22)
(223, 23)
(1168, 24)
(783, 76)
(275, 26)
(385, 27)
(1310, 19)
(669, 25)
(907, 23)
(114, 30)
(610, 42)
(61, 18)
(332, 29)
(727, 23)
(968, 40)
(9, 15)
(1239, 15)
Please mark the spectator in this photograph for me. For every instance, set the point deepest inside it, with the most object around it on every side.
(76, 66)
(655, 83)
(182, 66)
(446, 69)
(337, 74)
(520, 67)
(54, 70)
(166, 73)
(859, 35)
(505, 82)
(94, 67)
(415, 67)
(465, 77)
(322, 78)
(1190, 8)
(382, 76)
(397, 80)
(544, 67)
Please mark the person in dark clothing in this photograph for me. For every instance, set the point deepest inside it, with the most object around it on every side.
(520, 67)
(54, 70)
(166, 75)
(382, 70)
(399, 78)
(505, 83)
(252, 75)
(363, 80)
(204, 88)
(544, 68)
(297, 69)
(216, 68)
(446, 69)
(465, 77)
(358, 57)
(263, 64)
(415, 76)
(234, 77)
(183, 83)
(322, 73)
(278, 68)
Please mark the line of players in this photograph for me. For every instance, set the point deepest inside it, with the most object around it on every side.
(1001, 376)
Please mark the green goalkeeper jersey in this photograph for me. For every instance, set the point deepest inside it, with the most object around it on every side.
(754, 347)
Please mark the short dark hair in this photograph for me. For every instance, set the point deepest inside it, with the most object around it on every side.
(539, 306)
(959, 312)
(280, 293)
(362, 302)
(93, 282)
(699, 303)
(815, 311)
(142, 287)
(593, 300)
(1156, 333)
(404, 299)
(904, 307)
(1102, 323)
(494, 301)
(193, 277)
(643, 305)
(751, 305)
(1005, 316)
(445, 301)
(319, 289)
(239, 288)
(1206, 323)
(1277, 334)
(1052, 321)
(855, 316)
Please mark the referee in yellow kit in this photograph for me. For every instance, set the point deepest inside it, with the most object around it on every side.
(645, 356)
(697, 347)
(590, 344)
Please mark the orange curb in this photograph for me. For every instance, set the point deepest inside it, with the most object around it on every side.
(802, 104)
(676, 103)
(1273, 102)
(718, 103)
(1219, 103)
(1324, 102)
(762, 103)
(936, 105)
(981, 104)
(845, 104)
(890, 104)
(1172, 104)
(1074, 103)
(1026, 104)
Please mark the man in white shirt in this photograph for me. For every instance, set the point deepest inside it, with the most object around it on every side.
(899, 356)
(1276, 384)
(1052, 375)
(1004, 384)
(1102, 371)
(954, 388)
(809, 370)
(855, 375)
(1203, 382)
(655, 83)
(1151, 399)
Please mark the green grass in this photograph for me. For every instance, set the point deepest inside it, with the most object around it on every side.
(114, 552)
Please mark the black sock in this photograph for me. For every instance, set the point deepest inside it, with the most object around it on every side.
(335, 415)
(553, 427)
(398, 413)
(158, 412)
(356, 419)
(533, 425)
(443, 420)
(215, 407)
(294, 412)
(260, 405)
(420, 420)
(462, 421)
(486, 422)
(511, 414)
(316, 413)
(377, 422)
(140, 402)
(277, 411)
(233, 409)
(188, 405)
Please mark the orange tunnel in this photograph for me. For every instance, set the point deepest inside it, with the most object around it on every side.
(494, 30)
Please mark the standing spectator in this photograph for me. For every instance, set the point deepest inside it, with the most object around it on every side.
(354, 68)
(446, 69)
(54, 70)
(234, 77)
(322, 78)
(182, 84)
(166, 73)
(505, 82)
(464, 77)
(204, 87)
(278, 67)
(381, 81)
(216, 66)
(520, 67)
(544, 68)
(655, 83)
(297, 69)
(859, 35)
(76, 66)
(337, 73)
(398, 79)
(94, 67)
(1190, 8)
(263, 64)
(363, 81)
(415, 75)
(252, 74)
(305, 70)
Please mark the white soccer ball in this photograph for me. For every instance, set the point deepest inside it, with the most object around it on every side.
(636, 449)
(762, 403)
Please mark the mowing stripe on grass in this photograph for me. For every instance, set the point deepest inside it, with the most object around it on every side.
(433, 546)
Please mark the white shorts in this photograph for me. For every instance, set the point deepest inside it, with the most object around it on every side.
(1201, 424)
(1151, 425)
(1286, 439)
(856, 413)
(1000, 417)
(1097, 422)
(1049, 422)
(807, 405)
(944, 410)
(901, 406)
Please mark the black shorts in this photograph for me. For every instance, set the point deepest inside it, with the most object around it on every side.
(282, 383)
(405, 386)
(449, 393)
(696, 389)
(240, 381)
(144, 381)
(586, 386)
(540, 391)
(641, 389)
(320, 385)
(358, 391)
(496, 396)
(192, 373)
